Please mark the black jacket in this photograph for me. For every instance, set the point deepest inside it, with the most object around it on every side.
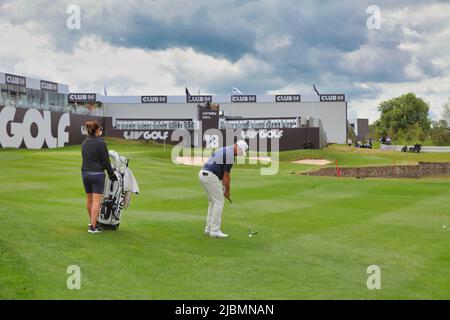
(95, 156)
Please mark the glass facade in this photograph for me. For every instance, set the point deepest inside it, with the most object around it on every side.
(18, 96)
(12, 95)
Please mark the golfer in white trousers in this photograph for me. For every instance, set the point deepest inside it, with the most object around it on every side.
(215, 178)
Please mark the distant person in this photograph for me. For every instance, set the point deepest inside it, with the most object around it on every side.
(388, 140)
(383, 140)
(95, 162)
(215, 178)
(307, 144)
(350, 142)
(370, 142)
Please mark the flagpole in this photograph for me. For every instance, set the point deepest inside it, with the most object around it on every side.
(312, 102)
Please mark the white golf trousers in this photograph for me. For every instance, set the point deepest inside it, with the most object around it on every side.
(214, 189)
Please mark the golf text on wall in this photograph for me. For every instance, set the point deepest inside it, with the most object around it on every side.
(153, 99)
(332, 97)
(146, 135)
(243, 98)
(82, 97)
(263, 134)
(15, 80)
(287, 98)
(32, 128)
(49, 86)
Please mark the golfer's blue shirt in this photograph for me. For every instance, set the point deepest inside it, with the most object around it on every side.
(221, 161)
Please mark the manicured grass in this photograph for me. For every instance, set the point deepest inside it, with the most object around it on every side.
(317, 235)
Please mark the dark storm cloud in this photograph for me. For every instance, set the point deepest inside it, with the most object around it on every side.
(321, 38)
(230, 30)
(204, 37)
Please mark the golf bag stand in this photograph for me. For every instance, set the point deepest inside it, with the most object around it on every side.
(113, 196)
(112, 204)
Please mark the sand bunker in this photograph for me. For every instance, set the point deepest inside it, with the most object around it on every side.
(191, 161)
(316, 162)
(261, 159)
(200, 161)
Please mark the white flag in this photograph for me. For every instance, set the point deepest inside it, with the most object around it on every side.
(237, 91)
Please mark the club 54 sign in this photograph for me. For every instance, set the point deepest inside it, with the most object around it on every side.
(15, 80)
(153, 99)
(332, 97)
(288, 98)
(243, 98)
(32, 129)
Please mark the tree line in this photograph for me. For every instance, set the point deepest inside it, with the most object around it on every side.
(406, 119)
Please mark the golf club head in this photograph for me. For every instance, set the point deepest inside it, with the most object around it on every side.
(252, 233)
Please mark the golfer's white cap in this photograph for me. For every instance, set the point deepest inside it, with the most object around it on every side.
(243, 146)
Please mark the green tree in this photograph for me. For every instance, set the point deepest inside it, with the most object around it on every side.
(414, 134)
(373, 132)
(446, 111)
(440, 133)
(351, 133)
(404, 114)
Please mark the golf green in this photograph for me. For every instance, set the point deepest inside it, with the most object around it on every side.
(316, 235)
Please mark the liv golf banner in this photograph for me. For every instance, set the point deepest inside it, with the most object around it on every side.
(37, 129)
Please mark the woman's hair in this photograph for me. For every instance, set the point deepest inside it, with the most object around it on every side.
(92, 127)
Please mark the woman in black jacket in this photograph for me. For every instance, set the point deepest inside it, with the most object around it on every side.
(95, 162)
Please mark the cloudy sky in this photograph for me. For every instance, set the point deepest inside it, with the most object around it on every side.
(262, 47)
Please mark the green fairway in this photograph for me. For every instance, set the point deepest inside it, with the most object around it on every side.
(317, 235)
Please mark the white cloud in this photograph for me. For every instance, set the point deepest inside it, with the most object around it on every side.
(273, 43)
(126, 71)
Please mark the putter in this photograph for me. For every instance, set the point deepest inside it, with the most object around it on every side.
(251, 233)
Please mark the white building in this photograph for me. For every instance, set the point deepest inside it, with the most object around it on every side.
(333, 114)
(330, 109)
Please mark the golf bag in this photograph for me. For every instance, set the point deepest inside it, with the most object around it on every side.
(114, 194)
